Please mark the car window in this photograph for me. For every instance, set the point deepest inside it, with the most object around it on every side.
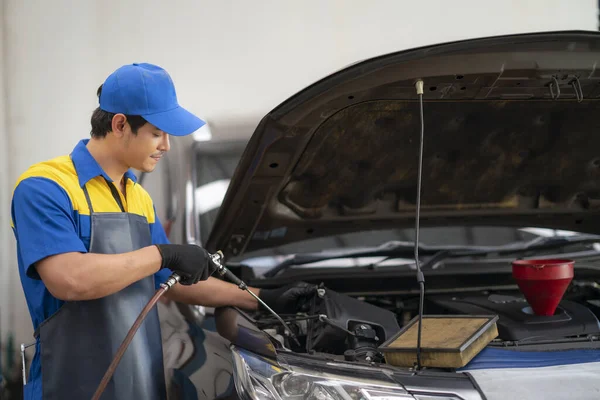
(215, 165)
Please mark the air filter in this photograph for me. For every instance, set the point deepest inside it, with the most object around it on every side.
(447, 341)
(543, 282)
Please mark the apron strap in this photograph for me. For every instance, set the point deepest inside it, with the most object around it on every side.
(115, 194)
(113, 191)
(87, 198)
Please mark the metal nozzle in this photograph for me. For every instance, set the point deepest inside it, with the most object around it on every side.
(168, 284)
(23, 366)
(217, 260)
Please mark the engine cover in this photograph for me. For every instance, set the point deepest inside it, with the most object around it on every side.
(517, 320)
(347, 313)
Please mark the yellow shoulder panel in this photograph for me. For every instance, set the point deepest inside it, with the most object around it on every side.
(61, 171)
(141, 202)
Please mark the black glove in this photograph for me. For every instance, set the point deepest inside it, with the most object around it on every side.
(192, 263)
(288, 299)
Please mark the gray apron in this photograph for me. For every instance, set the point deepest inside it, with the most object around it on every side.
(80, 340)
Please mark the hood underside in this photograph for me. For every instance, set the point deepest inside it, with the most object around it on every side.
(511, 138)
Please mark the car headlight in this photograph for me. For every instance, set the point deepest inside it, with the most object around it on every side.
(259, 378)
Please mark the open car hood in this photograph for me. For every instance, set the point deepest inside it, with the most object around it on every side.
(512, 137)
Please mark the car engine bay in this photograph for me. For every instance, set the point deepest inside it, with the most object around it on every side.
(352, 328)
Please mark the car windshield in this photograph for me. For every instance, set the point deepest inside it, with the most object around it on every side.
(216, 163)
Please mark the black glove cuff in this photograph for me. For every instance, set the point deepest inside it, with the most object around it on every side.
(167, 254)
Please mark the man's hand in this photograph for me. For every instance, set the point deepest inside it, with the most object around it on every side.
(288, 299)
(192, 263)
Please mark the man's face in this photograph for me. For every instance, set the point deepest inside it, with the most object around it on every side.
(143, 150)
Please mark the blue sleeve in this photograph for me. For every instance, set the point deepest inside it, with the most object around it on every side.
(159, 236)
(43, 222)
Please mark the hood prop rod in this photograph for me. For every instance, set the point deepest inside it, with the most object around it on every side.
(420, 276)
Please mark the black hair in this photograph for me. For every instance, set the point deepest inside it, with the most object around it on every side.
(102, 121)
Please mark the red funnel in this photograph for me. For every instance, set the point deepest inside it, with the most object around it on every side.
(543, 282)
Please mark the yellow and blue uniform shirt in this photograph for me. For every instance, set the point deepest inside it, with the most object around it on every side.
(50, 216)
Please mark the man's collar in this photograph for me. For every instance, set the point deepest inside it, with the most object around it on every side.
(88, 168)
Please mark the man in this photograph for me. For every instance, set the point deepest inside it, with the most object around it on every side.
(91, 250)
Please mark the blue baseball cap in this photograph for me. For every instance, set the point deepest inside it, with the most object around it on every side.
(147, 90)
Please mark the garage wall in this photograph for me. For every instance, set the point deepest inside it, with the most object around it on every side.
(231, 61)
(6, 276)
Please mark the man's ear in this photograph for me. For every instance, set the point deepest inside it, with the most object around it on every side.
(119, 122)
